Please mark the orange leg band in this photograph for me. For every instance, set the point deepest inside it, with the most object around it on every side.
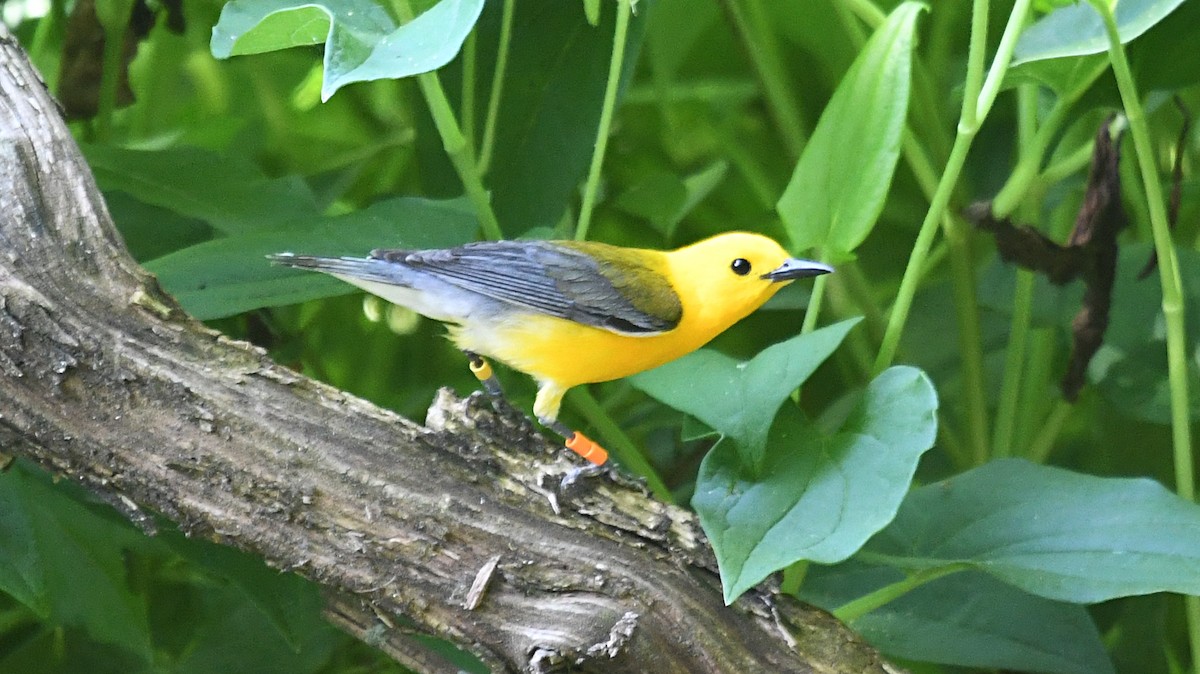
(587, 448)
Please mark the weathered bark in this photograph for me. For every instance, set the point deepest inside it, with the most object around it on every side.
(105, 380)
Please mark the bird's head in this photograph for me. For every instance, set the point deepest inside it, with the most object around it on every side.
(732, 274)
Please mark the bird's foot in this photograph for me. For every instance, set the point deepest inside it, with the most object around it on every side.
(573, 483)
(597, 457)
(574, 478)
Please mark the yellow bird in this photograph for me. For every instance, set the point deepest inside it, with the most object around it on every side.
(575, 312)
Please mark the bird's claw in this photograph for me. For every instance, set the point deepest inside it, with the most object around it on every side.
(571, 479)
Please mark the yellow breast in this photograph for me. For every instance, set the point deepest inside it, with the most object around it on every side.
(569, 353)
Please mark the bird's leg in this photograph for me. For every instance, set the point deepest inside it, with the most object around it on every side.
(578, 442)
(545, 407)
(487, 377)
(582, 445)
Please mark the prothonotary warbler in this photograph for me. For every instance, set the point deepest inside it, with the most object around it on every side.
(575, 312)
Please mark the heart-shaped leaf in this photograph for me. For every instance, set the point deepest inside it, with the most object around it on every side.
(362, 40)
(1051, 532)
(740, 398)
(816, 497)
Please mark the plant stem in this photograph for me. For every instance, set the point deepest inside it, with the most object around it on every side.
(110, 78)
(858, 287)
(814, 305)
(615, 64)
(459, 152)
(469, 53)
(1004, 51)
(1034, 148)
(455, 144)
(757, 178)
(616, 440)
(793, 577)
(970, 337)
(950, 442)
(1068, 165)
(861, 343)
(754, 30)
(1043, 443)
(468, 90)
(493, 111)
(977, 103)
(916, 260)
(1022, 307)
(856, 609)
(1168, 263)
(51, 25)
(867, 11)
(1172, 290)
(1004, 427)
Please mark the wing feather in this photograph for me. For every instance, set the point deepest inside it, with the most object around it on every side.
(541, 276)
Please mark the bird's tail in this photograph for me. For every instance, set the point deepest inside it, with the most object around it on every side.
(367, 269)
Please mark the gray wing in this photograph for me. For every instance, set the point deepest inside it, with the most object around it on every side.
(540, 276)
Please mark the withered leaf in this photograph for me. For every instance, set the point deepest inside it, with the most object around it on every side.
(1090, 252)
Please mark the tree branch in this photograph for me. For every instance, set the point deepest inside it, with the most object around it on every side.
(105, 380)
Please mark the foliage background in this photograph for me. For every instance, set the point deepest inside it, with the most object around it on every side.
(217, 162)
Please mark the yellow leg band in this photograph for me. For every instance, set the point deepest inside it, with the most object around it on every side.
(481, 369)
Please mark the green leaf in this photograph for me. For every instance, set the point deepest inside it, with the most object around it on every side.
(1078, 30)
(697, 187)
(235, 636)
(657, 197)
(816, 497)
(740, 398)
(553, 93)
(228, 192)
(591, 9)
(151, 231)
(992, 625)
(22, 575)
(841, 181)
(114, 15)
(362, 41)
(677, 26)
(1130, 368)
(230, 275)
(67, 563)
(287, 601)
(1060, 75)
(1166, 56)
(665, 199)
(1049, 531)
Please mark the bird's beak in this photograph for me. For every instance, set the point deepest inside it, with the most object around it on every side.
(792, 269)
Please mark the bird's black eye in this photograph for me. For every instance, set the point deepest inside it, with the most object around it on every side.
(740, 266)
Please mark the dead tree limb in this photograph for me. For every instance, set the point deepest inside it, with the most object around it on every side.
(105, 380)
